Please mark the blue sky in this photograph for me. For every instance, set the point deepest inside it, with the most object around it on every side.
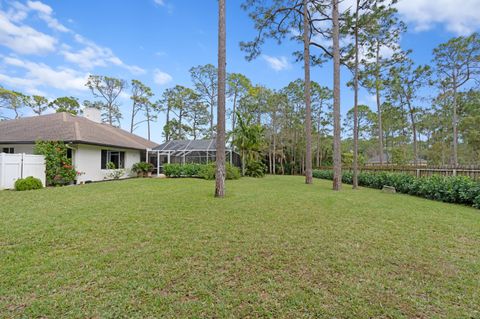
(50, 47)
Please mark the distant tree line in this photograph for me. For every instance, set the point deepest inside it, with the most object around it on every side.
(419, 112)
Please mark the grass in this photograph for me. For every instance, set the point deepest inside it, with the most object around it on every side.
(273, 248)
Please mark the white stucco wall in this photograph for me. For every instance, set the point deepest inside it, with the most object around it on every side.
(87, 159)
(19, 148)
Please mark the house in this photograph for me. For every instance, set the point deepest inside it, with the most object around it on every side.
(91, 143)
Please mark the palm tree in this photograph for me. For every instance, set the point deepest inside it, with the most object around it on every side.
(222, 65)
(248, 138)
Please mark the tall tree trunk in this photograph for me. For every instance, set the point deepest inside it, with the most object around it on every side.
(148, 121)
(379, 105)
(234, 115)
(274, 170)
(414, 132)
(337, 156)
(167, 122)
(455, 124)
(110, 114)
(180, 118)
(222, 64)
(211, 117)
(355, 103)
(132, 123)
(243, 163)
(308, 102)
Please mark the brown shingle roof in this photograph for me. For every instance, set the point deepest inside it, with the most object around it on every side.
(68, 128)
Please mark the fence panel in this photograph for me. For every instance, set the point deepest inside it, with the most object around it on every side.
(34, 165)
(15, 166)
(471, 171)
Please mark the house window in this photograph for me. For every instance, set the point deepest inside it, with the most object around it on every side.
(116, 157)
(8, 150)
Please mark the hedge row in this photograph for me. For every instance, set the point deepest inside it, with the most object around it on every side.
(205, 171)
(454, 189)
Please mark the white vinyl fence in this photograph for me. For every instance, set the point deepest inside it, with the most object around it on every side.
(15, 166)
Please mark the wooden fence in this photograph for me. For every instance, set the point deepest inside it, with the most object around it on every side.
(472, 171)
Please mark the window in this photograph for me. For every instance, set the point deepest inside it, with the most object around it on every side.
(8, 150)
(116, 157)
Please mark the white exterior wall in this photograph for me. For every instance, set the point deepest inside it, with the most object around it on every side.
(88, 158)
(19, 148)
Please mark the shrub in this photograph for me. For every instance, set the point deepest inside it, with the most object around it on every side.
(142, 168)
(28, 183)
(255, 169)
(59, 168)
(208, 171)
(457, 189)
(476, 202)
(182, 170)
(205, 171)
(114, 172)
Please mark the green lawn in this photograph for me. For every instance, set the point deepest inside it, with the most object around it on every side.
(273, 248)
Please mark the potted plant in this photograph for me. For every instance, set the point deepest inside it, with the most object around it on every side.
(149, 169)
(137, 168)
(143, 169)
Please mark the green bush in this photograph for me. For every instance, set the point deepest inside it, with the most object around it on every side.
(142, 168)
(28, 183)
(59, 168)
(255, 169)
(182, 170)
(205, 171)
(455, 189)
(208, 171)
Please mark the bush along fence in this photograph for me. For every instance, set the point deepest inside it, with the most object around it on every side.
(453, 189)
(205, 171)
(472, 171)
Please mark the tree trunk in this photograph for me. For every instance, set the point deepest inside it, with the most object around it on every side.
(414, 132)
(243, 162)
(379, 105)
(180, 118)
(234, 115)
(132, 122)
(355, 104)
(308, 102)
(274, 169)
(319, 138)
(148, 122)
(222, 64)
(337, 156)
(167, 122)
(211, 118)
(455, 124)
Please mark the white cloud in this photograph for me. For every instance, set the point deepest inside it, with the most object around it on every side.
(45, 13)
(93, 55)
(161, 78)
(40, 7)
(460, 17)
(41, 75)
(159, 2)
(277, 63)
(24, 39)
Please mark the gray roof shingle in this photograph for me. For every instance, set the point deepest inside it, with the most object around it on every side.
(68, 128)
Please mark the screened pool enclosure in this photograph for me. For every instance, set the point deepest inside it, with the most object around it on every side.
(183, 152)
